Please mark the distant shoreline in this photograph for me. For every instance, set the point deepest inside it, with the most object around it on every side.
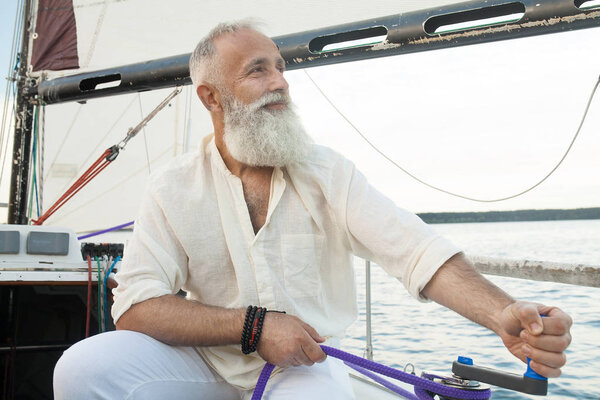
(510, 216)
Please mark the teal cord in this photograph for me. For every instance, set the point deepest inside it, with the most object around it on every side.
(99, 298)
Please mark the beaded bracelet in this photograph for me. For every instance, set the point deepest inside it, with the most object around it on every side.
(253, 324)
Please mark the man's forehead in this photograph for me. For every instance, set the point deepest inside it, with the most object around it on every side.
(247, 45)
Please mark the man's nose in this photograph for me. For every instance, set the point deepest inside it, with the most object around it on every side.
(277, 82)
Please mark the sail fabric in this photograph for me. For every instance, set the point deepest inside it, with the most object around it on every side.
(111, 33)
(118, 32)
(55, 42)
(486, 120)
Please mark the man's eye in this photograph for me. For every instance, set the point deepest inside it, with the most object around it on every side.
(257, 69)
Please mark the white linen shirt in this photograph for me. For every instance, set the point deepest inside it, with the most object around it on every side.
(193, 232)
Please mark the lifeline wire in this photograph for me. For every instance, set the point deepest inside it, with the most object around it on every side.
(446, 191)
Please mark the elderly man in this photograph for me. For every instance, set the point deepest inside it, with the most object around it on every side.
(260, 220)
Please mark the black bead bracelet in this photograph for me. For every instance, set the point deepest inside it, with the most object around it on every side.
(253, 324)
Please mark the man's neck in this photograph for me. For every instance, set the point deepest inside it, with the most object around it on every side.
(237, 168)
(256, 184)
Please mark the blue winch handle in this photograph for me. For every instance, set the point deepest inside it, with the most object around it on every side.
(531, 373)
(465, 368)
(530, 382)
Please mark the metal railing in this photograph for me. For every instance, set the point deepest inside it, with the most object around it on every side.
(545, 271)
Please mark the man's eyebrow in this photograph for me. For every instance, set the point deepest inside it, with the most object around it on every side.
(262, 60)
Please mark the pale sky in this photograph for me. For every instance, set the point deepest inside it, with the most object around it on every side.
(484, 121)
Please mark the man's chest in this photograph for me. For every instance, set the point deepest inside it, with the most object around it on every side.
(224, 260)
(256, 196)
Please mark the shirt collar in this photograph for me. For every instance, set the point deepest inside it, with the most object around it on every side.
(219, 164)
(216, 159)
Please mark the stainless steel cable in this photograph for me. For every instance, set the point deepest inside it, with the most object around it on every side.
(447, 191)
(11, 79)
(144, 134)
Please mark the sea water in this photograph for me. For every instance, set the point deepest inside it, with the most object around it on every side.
(431, 337)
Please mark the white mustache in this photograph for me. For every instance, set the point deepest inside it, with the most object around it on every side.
(269, 98)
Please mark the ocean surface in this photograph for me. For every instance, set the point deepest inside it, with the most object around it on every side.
(431, 337)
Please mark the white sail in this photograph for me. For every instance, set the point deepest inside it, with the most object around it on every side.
(112, 33)
(484, 120)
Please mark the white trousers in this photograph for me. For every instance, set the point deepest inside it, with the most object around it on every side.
(131, 365)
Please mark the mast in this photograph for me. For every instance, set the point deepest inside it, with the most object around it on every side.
(19, 182)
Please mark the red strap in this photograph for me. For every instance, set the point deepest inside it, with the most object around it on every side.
(83, 180)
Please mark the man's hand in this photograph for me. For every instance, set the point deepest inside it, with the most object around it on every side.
(543, 340)
(286, 340)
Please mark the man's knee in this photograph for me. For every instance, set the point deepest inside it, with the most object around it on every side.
(78, 368)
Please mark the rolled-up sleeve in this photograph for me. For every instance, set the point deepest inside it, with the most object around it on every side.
(396, 239)
(155, 263)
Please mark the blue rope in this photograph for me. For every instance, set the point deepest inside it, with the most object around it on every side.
(104, 287)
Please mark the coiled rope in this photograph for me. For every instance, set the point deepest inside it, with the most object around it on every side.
(425, 388)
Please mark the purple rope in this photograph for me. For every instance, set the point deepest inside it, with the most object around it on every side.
(262, 381)
(421, 384)
(384, 382)
(114, 228)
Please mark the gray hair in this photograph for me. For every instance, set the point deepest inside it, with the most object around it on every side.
(204, 65)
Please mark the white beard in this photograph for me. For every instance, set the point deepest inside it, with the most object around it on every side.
(259, 137)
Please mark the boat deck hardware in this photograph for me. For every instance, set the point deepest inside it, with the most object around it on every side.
(526, 383)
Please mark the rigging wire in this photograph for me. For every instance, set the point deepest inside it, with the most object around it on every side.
(11, 77)
(144, 132)
(98, 166)
(446, 191)
(187, 119)
(62, 144)
(82, 165)
(32, 176)
(12, 114)
(104, 160)
(42, 132)
(91, 154)
(113, 187)
(97, 30)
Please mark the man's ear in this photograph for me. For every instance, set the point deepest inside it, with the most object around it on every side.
(209, 97)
